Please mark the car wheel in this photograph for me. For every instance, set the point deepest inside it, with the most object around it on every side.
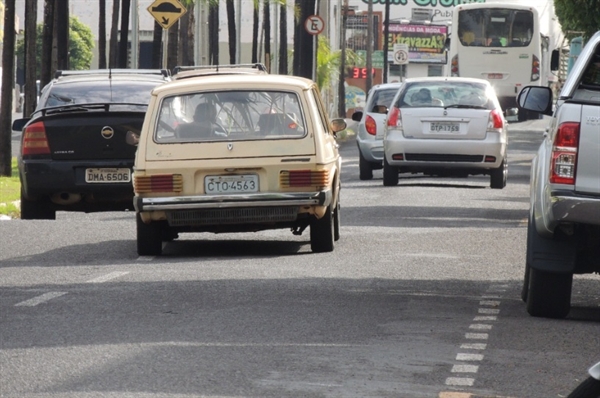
(590, 387)
(322, 232)
(36, 209)
(498, 176)
(336, 223)
(390, 174)
(364, 167)
(149, 237)
(549, 293)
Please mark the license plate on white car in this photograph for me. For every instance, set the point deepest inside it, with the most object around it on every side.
(244, 183)
(106, 175)
(436, 127)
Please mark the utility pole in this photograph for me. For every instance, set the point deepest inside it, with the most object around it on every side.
(369, 82)
(341, 87)
(386, 33)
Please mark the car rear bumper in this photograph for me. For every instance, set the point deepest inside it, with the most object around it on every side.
(569, 207)
(371, 150)
(320, 198)
(44, 178)
(472, 154)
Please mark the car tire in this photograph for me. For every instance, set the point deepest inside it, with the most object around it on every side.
(149, 237)
(390, 174)
(36, 209)
(590, 387)
(322, 232)
(336, 223)
(549, 294)
(364, 167)
(498, 176)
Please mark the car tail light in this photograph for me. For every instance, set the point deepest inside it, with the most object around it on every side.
(35, 141)
(370, 125)
(454, 66)
(564, 154)
(158, 183)
(394, 118)
(535, 68)
(495, 121)
(304, 178)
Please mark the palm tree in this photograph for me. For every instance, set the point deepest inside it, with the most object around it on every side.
(303, 41)
(61, 26)
(283, 65)
(186, 36)
(172, 45)
(157, 46)
(47, 37)
(255, 31)
(213, 33)
(231, 30)
(8, 74)
(124, 39)
(267, 30)
(114, 27)
(30, 57)
(102, 35)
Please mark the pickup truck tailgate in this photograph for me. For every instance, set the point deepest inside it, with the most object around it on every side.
(588, 164)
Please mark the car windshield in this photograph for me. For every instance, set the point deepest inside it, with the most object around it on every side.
(230, 116)
(446, 94)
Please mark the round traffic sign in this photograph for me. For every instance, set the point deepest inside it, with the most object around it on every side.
(314, 24)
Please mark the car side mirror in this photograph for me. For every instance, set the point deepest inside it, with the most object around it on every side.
(536, 99)
(356, 116)
(18, 124)
(338, 125)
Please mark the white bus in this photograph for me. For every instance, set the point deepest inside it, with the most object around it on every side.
(500, 43)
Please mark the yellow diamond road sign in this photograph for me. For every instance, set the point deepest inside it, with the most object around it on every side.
(166, 12)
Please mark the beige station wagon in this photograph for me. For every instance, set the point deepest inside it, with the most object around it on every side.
(237, 153)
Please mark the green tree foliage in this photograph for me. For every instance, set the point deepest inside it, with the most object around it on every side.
(81, 43)
(578, 15)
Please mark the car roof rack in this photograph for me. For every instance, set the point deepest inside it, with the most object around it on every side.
(120, 71)
(215, 69)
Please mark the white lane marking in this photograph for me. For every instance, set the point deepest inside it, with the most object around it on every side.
(480, 326)
(40, 299)
(477, 336)
(491, 303)
(469, 357)
(107, 277)
(489, 311)
(485, 318)
(465, 368)
(460, 381)
(473, 346)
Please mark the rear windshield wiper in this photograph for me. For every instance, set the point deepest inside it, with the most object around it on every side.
(465, 106)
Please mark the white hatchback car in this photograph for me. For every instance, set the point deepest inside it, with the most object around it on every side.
(445, 127)
(371, 121)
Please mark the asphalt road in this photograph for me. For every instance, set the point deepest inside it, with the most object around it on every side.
(419, 299)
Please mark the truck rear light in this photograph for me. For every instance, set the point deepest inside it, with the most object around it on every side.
(370, 125)
(495, 121)
(158, 183)
(454, 66)
(564, 154)
(35, 141)
(304, 178)
(394, 118)
(535, 69)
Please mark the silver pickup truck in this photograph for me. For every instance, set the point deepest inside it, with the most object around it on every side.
(563, 233)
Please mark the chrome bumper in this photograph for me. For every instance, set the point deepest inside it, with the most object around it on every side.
(321, 198)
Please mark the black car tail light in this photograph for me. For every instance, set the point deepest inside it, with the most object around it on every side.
(35, 141)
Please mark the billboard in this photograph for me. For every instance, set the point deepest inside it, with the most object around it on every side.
(425, 42)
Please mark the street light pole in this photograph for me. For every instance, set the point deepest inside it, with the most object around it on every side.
(386, 33)
(341, 87)
(369, 81)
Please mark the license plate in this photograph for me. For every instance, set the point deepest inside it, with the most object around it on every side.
(444, 127)
(109, 176)
(495, 76)
(231, 184)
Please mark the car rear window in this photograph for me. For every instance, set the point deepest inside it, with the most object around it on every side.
(383, 97)
(233, 115)
(100, 91)
(444, 94)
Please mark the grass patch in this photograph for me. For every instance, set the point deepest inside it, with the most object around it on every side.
(10, 191)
